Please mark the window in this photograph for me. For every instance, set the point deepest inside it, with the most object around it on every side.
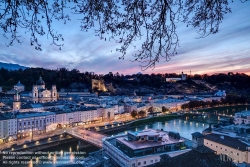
(150, 138)
(156, 160)
(216, 146)
(211, 144)
(139, 163)
(145, 162)
(151, 161)
(225, 149)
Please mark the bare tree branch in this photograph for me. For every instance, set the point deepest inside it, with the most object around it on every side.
(152, 22)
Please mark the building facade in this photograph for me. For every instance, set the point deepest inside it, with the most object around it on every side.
(242, 117)
(31, 123)
(39, 92)
(143, 148)
(19, 87)
(234, 148)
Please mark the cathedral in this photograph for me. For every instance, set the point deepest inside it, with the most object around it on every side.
(40, 94)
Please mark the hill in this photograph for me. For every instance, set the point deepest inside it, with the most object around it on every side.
(10, 66)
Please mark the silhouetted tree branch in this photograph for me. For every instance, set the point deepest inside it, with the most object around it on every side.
(152, 22)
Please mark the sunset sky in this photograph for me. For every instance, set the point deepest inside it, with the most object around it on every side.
(227, 51)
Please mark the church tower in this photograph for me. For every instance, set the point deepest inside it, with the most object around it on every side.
(53, 91)
(16, 102)
(35, 92)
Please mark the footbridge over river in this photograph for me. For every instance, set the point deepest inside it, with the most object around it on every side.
(90, 137)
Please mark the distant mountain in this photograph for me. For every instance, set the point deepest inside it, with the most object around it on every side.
(10, 66)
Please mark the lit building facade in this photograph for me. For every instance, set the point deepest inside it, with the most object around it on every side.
(35, 123)
(236, 149)
(143, 148)
(19, 87)
(242, 117)
(40, 94)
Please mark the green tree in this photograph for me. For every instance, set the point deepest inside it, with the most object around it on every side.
(141, 113)
(150, 109)
(134, 113)
(164, 109)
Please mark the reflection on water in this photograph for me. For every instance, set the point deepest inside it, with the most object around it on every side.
(65, 152)
(54, 156)
(185, 128)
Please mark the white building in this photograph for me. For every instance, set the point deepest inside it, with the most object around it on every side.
(40, 94)
(170, 103)
(182, 78)
(19, 87)
(107, 113)
(8, 127)
(138, 149)
(76, 117)
(242, 117)
(220, 93)
(234, 148)
(120, 109)
(35, 122)
(129, 107)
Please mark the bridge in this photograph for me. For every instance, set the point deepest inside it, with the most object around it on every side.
(87, 136)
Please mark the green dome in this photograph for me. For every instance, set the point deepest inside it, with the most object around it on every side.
(40, 81)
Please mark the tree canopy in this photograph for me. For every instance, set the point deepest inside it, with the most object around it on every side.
(153, 22)
(134, 113)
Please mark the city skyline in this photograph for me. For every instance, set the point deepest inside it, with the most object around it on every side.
(227, 51)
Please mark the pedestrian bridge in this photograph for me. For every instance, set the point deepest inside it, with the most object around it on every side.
(87, 136)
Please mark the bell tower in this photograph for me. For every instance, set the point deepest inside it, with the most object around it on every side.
(35, 92)
(16, 102)
(53, 91)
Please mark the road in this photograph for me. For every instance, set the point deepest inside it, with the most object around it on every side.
(125, 117)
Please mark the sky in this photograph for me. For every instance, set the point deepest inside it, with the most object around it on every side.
(226, 51)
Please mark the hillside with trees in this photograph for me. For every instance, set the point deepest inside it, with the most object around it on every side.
(234, 84)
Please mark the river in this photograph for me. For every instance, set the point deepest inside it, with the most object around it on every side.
(65, 153)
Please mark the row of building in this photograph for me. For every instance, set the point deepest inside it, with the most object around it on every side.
(23, 124)
(144, 148)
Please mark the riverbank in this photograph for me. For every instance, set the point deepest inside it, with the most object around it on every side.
(160, 118)
(137, 122)
(40, 144)
(231, 109)
(145, 121)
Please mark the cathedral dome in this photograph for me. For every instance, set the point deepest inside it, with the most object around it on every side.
(40, 81)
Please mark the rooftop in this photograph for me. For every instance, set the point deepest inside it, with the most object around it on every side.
(40, 81)
(201, 157)
(227, 141)
(19, 84)
(141, 144)
(33, 114)
(243, 113)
